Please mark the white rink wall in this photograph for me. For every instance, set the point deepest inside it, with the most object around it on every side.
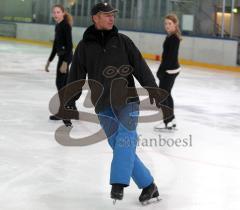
(207, 50)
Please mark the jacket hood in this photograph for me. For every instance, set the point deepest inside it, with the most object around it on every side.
(93, 34)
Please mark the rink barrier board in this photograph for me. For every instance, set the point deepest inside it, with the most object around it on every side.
(195, 63)
(149, 56)
(26, 41)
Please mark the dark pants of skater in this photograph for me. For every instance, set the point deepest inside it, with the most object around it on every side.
(61, 81)
(166, 83)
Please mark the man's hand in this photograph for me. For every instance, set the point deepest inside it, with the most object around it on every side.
(158, 95)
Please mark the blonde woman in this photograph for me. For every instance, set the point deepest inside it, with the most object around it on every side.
(62, 46)
(169, 69)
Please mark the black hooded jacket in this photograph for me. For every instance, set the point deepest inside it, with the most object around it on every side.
(106, 57)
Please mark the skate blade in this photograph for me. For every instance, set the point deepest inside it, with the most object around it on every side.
(167, 130)
(151, 201)
(68, 124)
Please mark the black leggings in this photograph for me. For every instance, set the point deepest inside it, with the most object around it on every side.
(166, 83)
(61, 79)
(61, 82)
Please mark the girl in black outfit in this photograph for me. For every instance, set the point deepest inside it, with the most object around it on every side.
(62, 46)
(169, 69)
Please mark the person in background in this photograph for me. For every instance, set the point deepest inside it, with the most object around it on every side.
(169, 69)
(62, 46)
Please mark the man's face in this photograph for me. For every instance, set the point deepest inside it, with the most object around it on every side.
(104, 21)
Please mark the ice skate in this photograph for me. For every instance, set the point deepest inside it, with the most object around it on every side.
(174, 123)
(67, 123)
(116, 192)
(148, 193)
(165, 126)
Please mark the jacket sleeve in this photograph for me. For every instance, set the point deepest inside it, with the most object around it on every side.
(78, 69)
(141, 70)
(54, 51)
(69, 45)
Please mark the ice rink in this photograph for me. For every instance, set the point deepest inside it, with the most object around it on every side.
(37, 173)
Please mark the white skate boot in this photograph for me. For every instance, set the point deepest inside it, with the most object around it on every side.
(162, 126)
(174, 123)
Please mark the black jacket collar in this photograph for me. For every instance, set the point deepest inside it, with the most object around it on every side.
(93, 34)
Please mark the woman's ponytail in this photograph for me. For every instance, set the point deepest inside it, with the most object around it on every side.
(68, 18)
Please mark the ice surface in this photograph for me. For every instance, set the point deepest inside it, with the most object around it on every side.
(38, 173)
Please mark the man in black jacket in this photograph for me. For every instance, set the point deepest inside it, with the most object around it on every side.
(111, 60)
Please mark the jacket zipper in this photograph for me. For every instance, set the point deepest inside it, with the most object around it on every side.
(103, 44)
